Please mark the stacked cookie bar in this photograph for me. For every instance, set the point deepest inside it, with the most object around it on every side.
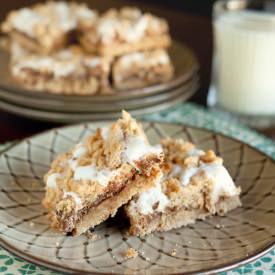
(160, 187)
(121, 49)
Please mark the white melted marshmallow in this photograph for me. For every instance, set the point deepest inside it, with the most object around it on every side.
(105, 132)
(79, 151)
(222, 181)
(136, 148)
(137, 30)
(153, 199)
(217, 173)
(52, 180)
(91, 173)
(26, 20)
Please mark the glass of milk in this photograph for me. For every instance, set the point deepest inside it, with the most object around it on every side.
(243, 69)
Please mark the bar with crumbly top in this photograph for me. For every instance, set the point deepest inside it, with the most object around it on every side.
(88, 184)
(142, 69)
(192, 185)
(69, 71)
(126, 30)
(47, 27)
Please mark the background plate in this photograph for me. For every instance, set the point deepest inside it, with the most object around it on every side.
(97, 107)
(69, 117)
(214, 245)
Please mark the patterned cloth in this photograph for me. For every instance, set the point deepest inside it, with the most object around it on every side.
(195, 116)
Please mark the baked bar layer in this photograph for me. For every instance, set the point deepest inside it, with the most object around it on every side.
(192, 185)
(141, 69)
(89, 183)
(118, 32)
(68, 71)
(47, 27)
(172, 219)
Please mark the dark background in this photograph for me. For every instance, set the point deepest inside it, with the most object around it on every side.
(189, 20)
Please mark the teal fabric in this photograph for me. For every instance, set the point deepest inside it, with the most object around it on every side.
(195, 116)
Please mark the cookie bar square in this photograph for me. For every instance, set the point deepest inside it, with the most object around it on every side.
(126, 30)
(191, 185)
(142, 69)
(88, 184)
(69, 71)
(47, 27)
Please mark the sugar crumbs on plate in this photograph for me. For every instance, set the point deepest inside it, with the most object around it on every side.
(130, 253)
(173, 252)
(92, 236)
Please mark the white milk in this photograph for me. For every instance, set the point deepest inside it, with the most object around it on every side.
(245, 62)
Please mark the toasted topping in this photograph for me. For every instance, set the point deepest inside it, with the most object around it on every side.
(186, 168)
(51, 18)
(101, 163)
(128, 24)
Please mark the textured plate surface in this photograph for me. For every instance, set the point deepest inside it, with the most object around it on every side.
(214, 245)
(183, 58)
(68, 117)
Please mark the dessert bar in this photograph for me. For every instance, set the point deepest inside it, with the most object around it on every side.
(118, 32)
(191, 185)
(47, 27)
(141, 69)
(88, 184)
(68, 71)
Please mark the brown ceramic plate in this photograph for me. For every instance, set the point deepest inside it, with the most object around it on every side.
(183, 58)
(97, 107)
(180, 94)
(211, 246)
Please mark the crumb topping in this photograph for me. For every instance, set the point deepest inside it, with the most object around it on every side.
(190, 177)
(100, 165)
(127, 24)
(49, 20)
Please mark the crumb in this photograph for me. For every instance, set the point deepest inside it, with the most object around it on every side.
(57, 244)
(218, 226)
(173, 252)
(92, 236)
(31, 224)
(147, 259)
(130, 253)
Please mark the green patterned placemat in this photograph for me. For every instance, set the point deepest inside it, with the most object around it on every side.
(195, 116)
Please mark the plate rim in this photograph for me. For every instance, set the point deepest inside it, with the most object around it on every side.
(215, 270)
(154, 99)
(22, 110)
